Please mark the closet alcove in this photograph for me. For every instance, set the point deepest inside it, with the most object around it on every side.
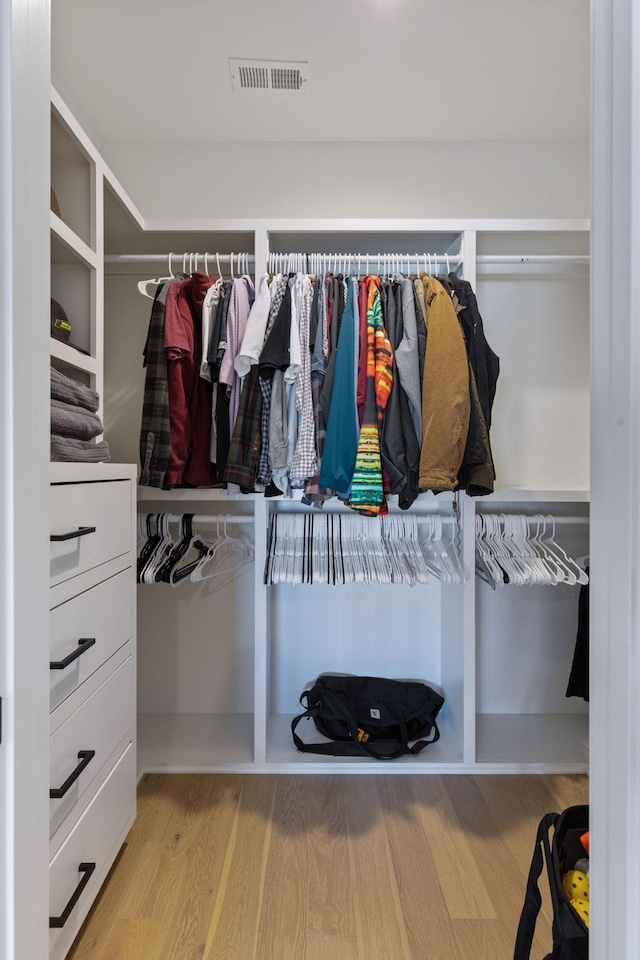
(220, 671)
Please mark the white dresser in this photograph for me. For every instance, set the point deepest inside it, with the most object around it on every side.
(92, 747)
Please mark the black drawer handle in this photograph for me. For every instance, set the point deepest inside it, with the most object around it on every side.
(73, 535)
(84, 643)
(85, 757)
(86, 869)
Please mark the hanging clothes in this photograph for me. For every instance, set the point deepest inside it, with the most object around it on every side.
(340, 386)
(400, 449)
(304, 460)
(189, 395)
(155, 428)
(314, 493)
(276, 296)
(244, 449)
(367, 493)
(579, 677)
(341, 443)
(477, 473)
(240, 302)
(445, 393)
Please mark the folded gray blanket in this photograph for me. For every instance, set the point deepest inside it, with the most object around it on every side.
(70, 421)
(70, 391)
(65, 449)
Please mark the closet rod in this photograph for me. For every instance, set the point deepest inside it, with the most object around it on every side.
(533, 258)
(373, 258)
(362, 258)
(201, 519)
(559, 521)
(176, 258)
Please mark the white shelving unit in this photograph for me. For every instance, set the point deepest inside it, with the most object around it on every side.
(220, 671)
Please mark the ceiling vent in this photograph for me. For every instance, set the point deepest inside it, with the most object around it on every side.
(268, 74)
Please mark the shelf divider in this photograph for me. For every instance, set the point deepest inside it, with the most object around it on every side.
(72, 241)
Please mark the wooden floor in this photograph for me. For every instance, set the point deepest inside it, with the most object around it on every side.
(324, 868)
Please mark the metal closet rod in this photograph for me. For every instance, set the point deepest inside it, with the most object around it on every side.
(176, 258)
(200, 519)
(370, 257)
(563, 521)
(534, 258)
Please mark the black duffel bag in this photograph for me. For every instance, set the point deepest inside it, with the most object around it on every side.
(569, 933)
(369, 715)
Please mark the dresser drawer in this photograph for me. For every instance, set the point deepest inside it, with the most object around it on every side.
(78, 507)
(103, 614)
(93, 843)
(83, 743)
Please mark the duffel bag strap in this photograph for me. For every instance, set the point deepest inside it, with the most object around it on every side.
(533, 898)
(345, 748)
(335, 748)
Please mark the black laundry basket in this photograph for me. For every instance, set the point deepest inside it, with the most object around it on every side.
(570, 935)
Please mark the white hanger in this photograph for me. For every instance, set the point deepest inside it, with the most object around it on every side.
(581, 576)
(143, 284)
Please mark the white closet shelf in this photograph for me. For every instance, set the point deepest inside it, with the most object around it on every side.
(152, 494)
(71, 359)
(524, 741)
(214, 494)
(281, 752)
(70, 247)
(87, 472)
(195, 742)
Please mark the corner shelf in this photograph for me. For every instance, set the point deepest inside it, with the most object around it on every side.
(195, 742)
(71, 358)
(71, 242)
(553, 741)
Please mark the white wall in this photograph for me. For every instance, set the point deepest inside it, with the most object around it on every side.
(438, 179)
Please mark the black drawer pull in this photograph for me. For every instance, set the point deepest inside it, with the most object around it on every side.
(73, 535)
(86, 869)
(84, 643)
(85, 757)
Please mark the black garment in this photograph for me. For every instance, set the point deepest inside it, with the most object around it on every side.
(155, 432)
(313, 323)
(399, 446)
(223, 431)
(217, 342)
(422, 337)
(485, 363)
(579, 676)
(477, 473)
(276, 352)
(337, 309)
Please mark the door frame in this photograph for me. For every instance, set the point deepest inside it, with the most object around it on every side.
(24, 476)
(615, 469)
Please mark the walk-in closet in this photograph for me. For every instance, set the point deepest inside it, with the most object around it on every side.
(338, 379)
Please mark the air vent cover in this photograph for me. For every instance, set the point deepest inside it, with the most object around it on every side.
(268, 75)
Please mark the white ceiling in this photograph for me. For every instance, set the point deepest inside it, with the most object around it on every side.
(157, 70)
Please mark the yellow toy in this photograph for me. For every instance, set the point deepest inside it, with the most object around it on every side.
(581, 907)
(575, 885)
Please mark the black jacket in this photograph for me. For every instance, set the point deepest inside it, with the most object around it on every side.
(477, 473)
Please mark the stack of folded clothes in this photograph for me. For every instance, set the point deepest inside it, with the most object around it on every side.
(74, 422)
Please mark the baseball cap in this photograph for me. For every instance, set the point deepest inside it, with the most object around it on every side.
(60, 325)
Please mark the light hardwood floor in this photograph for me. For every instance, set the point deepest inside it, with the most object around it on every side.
(325, 868)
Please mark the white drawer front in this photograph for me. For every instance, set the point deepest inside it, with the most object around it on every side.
(103, 614)
(105, 506)
(93, 840)
(98, 725)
